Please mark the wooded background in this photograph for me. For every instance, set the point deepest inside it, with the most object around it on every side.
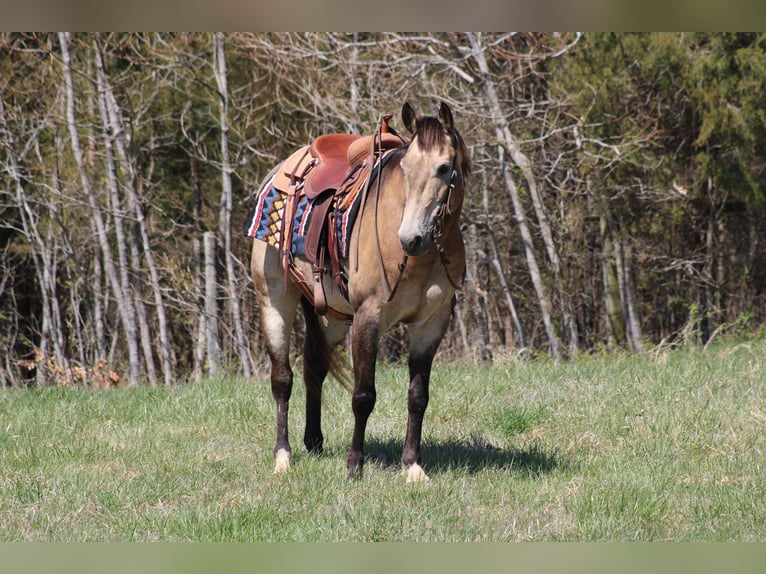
(617, 197)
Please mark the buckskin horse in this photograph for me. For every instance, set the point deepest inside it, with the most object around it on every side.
(404, 262)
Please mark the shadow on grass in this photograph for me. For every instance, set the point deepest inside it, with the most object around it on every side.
(473, 455)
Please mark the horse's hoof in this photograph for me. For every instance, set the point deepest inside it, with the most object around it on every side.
(281, 461)
(354, 468)
(354, 473)
(415, 473)
(314, 446)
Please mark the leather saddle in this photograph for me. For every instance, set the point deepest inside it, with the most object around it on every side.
(329, 160)
(329, 172)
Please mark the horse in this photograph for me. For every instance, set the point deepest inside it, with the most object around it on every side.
(406, 262)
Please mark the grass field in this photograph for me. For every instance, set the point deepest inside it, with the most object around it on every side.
(665, 446)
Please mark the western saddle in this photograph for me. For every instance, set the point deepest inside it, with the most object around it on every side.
(330, 173)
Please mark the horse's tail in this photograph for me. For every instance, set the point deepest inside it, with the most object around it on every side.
(337, 363)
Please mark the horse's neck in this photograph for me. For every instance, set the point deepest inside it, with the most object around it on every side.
(389, 206)
(375, 234)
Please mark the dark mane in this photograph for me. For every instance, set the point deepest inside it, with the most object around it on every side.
(464, 157)
(431, 134)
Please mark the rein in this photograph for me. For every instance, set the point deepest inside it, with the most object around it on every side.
(381, 266)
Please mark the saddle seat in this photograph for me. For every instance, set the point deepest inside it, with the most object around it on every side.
(331, 154)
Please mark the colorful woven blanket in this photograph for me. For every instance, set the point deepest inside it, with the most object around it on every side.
(265, 221)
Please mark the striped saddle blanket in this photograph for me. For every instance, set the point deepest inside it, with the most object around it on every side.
(265, 221)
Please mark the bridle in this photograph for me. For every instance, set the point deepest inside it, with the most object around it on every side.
(437, 229)
(443, 211)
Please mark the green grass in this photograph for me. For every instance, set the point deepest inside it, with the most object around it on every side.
(666, 446)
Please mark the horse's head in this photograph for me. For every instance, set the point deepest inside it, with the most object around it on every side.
(434, 167)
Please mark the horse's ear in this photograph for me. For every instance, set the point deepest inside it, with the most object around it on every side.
(445, 115)
(408, 117)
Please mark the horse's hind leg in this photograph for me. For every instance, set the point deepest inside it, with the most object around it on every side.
(321, 338)
(278, 308)
(277, 333)
(364, 349)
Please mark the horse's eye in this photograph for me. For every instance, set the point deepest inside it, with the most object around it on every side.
(443, 169)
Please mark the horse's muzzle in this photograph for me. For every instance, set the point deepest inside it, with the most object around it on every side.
(414, 245)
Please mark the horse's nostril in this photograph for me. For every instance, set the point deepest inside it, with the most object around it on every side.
(413, 245)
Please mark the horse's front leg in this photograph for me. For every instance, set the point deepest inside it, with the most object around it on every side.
(424, 340)
(417, 402)
(364, 351)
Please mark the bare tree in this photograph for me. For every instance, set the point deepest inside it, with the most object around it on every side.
(201, 337)
(506, 143)
(211, 304)
(115, 130)
(43, 251)
(111, 143)
(118, 281)
(219, 68)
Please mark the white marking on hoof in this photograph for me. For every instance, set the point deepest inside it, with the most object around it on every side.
(281, 461)
(416, 474)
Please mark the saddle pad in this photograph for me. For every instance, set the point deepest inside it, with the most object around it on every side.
(265, 221)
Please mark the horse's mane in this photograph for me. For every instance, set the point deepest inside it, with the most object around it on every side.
(430, 134)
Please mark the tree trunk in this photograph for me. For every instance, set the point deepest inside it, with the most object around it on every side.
(481, 280)
(219, 68)
(124, 252)
(477, 275)
(44, 259)
(462, 330)
(634, 322)
(99, 309)
(119, 134)
(534, 269)
(353, 82)
(199, 280)
(711, 309)
(211, 303)
(615, 318)
(495, 262)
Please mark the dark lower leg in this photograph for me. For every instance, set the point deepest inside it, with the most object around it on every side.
(315, 367)
(362, 402)
(364, 350)
(281, 389)
(417, 402)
